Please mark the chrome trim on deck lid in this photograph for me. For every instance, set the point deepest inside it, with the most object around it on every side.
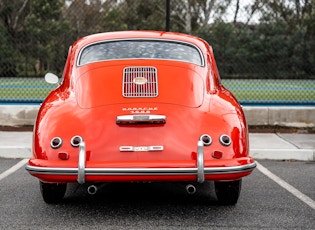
(131, 119)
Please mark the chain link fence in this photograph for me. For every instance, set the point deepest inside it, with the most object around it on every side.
(265, 51)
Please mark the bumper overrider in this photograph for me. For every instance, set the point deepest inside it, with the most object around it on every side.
(200, 172)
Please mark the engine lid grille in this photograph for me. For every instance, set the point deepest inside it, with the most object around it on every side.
(140, 81)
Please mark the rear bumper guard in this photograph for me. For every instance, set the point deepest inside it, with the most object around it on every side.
(200, 171)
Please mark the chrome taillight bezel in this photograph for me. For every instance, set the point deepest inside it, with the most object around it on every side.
(76, 140)
(206, 139)
(225, 140)
(56, 142)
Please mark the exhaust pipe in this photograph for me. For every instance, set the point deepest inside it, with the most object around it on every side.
(190, 189)
(92, 189)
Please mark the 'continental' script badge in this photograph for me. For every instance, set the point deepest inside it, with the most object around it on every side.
(140, 80)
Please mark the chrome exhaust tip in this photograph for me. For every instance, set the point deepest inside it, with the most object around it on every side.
(190, 189)
(92, 189)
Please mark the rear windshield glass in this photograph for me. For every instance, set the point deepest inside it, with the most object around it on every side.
(140, 49)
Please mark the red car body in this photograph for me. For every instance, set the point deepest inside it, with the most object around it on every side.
(140, 106)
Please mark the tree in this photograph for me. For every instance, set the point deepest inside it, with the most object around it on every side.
(189, 16)
(298, 18)
(8, 55)
(136, 15)
(36, 34)
(85, 16)
(12, 14)
(46, 33)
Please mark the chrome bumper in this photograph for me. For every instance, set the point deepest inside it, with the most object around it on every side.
(200, 171)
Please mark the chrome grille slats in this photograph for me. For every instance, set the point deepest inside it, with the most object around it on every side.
(140, 81)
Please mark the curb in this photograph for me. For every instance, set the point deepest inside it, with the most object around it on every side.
(269, 146)
(283, 154)
(15, 152)
(257, 154)
(287, 116)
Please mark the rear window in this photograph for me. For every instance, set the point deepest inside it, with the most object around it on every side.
(140, 49)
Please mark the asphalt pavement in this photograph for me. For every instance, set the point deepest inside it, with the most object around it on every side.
(271, 146)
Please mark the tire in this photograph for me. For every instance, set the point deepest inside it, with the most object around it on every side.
(228, 192)
(52, 193)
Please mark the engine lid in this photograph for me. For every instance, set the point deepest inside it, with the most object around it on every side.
(130, 84)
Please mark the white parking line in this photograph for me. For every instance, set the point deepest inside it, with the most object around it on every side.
(307, 200)
(13, 169)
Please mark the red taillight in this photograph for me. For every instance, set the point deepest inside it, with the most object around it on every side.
(63, 156)
(217, 154)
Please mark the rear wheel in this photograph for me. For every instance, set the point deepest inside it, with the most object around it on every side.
(228, 192)
(52, 193)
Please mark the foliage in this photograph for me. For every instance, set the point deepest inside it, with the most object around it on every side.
(46, 35)
(8, 55)
(280, 43)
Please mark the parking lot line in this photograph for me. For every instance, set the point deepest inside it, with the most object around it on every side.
(307, 200)
(13, 169)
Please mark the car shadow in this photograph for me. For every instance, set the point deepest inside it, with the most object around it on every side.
(140, 203)
(133, 194)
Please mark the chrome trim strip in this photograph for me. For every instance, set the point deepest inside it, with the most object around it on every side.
(141, 171)
(141, 148)
(200, 163)
(81, 163)
(127, 119)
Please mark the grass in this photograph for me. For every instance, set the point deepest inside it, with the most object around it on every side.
(272, 90)
(15, 89)
(28, 89)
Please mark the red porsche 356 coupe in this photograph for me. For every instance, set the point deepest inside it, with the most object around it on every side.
(140, 106)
